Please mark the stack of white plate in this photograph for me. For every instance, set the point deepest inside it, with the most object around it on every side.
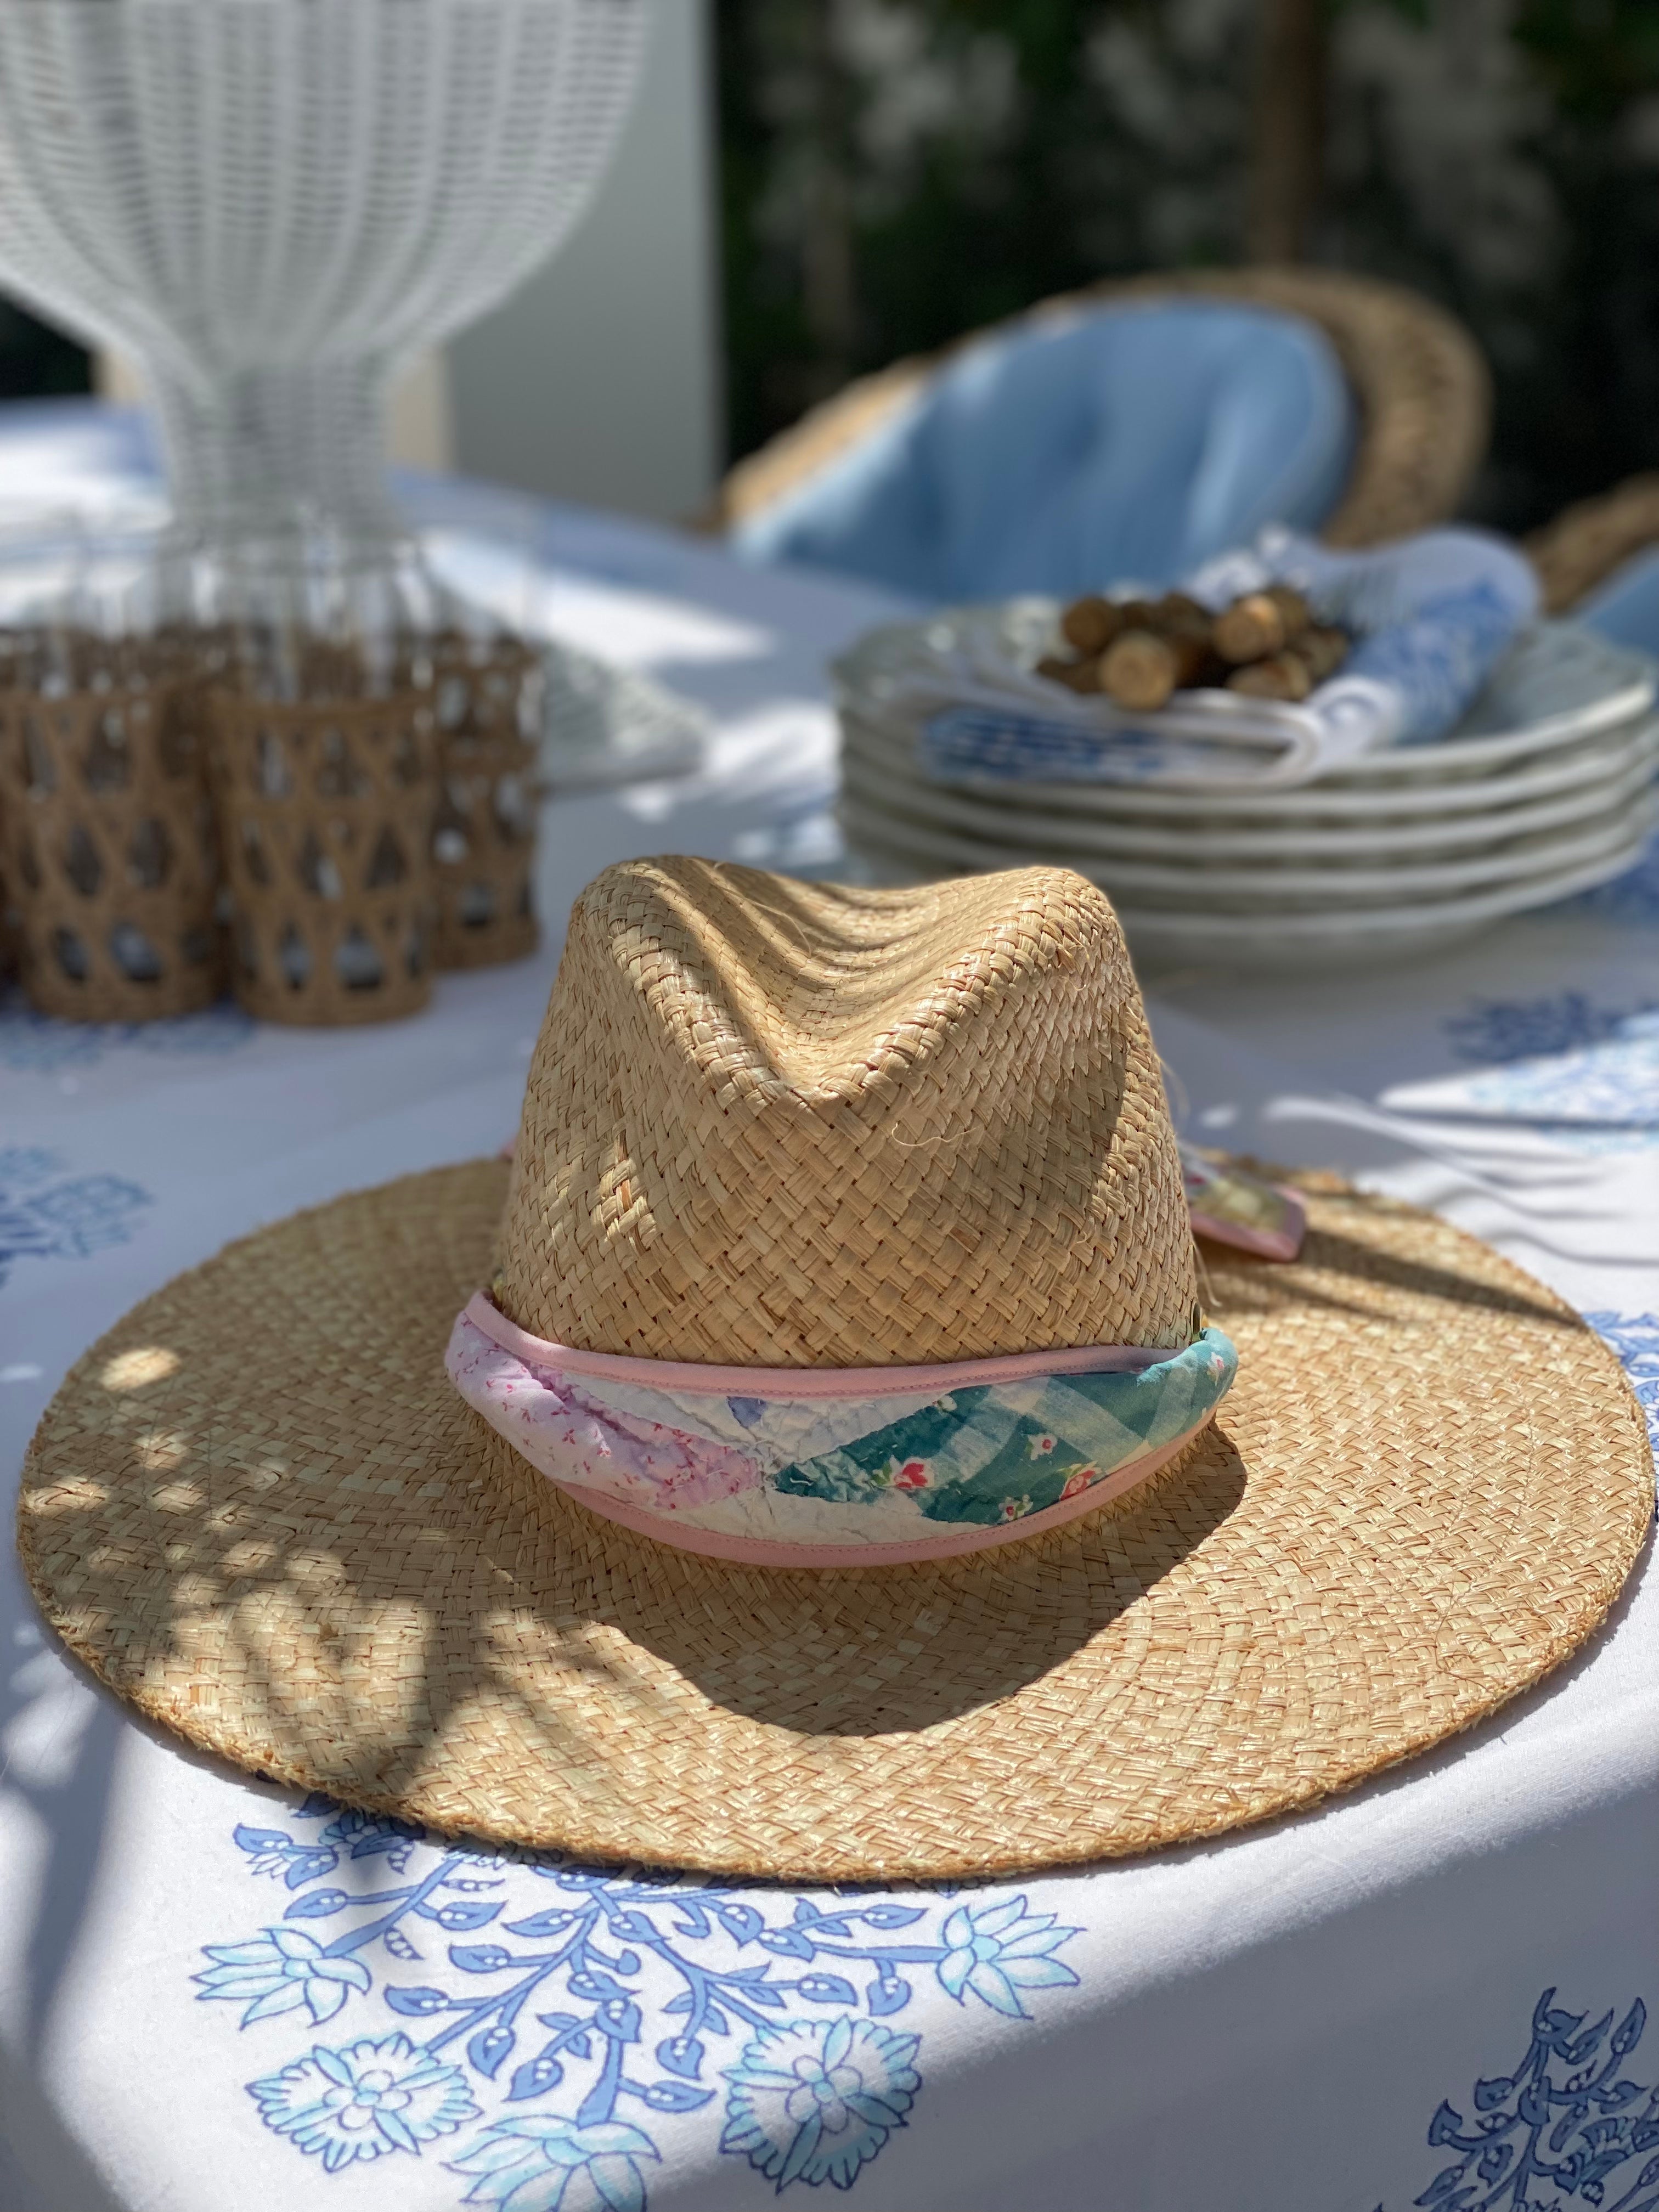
(1545, 789)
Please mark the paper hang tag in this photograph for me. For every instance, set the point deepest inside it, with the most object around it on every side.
(1231, 1207)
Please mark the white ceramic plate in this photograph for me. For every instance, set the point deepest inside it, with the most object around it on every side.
(1606, 780)
(1333, 892)
(891, 745)
(1558, 688)
(1301, 942)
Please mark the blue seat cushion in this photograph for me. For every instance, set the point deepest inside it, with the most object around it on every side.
(1122, 443)
(1625, 608)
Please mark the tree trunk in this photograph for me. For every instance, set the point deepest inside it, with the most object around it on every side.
(1287, 129)
(829, 282)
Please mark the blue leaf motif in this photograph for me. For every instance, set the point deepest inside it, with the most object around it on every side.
(257, 1840)
(786, 1942)
(682, 2055)
(535, 2077)
(674, 2097)
(487, 2049)
(1445, 2127)
(1443, 2184)
(590, 1982)
(889, 1995)
(542, 1924)
(827, 1988)
(416, 2001)
(456, 1919)
(1628, 2034)
(619, 2017)
(741, 1922)
(1492, 2093)
(306, 1866)
(318, 1905)
(893, 1915)
(479, 1958)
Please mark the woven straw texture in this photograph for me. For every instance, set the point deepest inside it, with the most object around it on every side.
(106, 840)
(1587, 542)
(325, 809)
(790, 1125)
(258, 1509)
(1424, 395)
(483, 841)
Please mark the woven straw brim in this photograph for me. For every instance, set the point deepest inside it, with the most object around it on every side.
(258, 1509)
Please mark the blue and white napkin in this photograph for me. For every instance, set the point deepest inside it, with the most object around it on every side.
(1432, 615)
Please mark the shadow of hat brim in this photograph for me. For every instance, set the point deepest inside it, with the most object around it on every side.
(259, 1511)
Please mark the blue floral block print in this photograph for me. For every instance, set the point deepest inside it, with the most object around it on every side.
(1635, 1337)
(1586, 1072)
(365, 2099)
(36, 1044)
(813, 2100)
(1495, 1032)
(524, 2022)
(1565, 2126)
(44, 1216)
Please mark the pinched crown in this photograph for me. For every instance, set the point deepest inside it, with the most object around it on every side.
(779, 1124)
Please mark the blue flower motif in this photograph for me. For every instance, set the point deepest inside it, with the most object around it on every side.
(998, 1950)
(548, 2165)
(40, 1045)
(1635, 1337)
(811, 2101)
(363, 2101)
(279, 1971)
(66, 1220)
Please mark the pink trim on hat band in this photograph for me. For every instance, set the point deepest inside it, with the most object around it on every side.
(798, 1382)
(762, 1552)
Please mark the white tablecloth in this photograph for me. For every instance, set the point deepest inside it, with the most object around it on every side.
(1430, 1992)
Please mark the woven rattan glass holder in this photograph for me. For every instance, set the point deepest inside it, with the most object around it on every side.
(107, 836)
(484, 842)
(325, 808)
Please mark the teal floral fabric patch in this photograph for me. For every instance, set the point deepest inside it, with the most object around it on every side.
(999, 1452)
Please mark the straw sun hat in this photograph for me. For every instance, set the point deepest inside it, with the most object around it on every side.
(834, 1477)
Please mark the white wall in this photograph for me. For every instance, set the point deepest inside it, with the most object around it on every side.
(599, 380)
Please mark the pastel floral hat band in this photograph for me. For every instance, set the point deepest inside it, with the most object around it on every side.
(838, 1467)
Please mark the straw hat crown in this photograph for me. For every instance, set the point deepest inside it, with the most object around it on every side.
(780, 1124)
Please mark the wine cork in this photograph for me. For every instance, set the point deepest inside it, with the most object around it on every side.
(1075, 675)
(1177, 613)
(1139, 670)
(1282, 676)
(1261, 624)
(1323, 649)
(1092, 624)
